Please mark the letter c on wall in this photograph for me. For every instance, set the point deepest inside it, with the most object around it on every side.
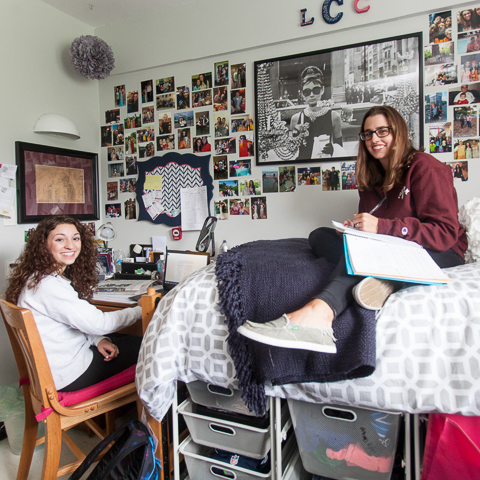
(361, 10)
(326, 12)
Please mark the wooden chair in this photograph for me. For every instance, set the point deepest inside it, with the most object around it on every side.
(40, 394)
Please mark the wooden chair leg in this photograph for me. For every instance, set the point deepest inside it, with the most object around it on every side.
(53, 447)
(110, 421)
(29, 437)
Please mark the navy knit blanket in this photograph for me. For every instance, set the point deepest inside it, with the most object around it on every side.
(260, 281)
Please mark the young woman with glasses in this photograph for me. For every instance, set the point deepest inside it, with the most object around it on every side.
(404, 192)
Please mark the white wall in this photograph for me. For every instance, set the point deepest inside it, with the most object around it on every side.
(37, 77)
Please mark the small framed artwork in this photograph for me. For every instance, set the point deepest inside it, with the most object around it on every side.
(54, 181)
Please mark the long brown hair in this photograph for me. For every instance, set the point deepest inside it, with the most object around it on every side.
(36, 262)
(369, 170)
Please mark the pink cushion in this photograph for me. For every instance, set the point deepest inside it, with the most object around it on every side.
(71, 398)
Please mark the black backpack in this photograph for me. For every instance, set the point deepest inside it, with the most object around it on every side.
(131, 457)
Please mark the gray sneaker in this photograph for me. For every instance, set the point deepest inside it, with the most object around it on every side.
(372, 293)
(283, 333)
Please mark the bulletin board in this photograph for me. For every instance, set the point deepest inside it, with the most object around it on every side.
(159, 182)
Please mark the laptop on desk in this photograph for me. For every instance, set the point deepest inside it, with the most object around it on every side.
(180, 264)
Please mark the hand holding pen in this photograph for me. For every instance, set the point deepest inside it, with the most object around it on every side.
(365, 222)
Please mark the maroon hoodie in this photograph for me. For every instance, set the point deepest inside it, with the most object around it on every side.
(424, 209)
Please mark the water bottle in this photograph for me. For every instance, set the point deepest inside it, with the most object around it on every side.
(224, 247)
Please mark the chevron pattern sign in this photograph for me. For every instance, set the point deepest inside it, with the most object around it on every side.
(177, 171)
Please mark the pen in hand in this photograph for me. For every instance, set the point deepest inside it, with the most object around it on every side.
(377, 205)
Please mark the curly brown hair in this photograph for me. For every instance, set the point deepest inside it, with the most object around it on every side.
(369, 170)
(36, 262)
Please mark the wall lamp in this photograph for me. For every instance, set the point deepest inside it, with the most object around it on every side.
(55, 124)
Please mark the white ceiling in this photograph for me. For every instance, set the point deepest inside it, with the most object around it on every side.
(103, 12)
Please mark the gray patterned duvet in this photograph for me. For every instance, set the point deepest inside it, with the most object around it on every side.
(428, 350)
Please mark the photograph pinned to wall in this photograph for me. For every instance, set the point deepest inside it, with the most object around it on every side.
(240, 168)
(106, 134)
(239, 206)
(28, 233)
(469, 65)
(165, 142)
(90, 227)
(465, 95)
(165, 101)
(459, 171)
(221, 74)
(145, 135)
(147, 91)
(243, 123)
(468, 20)
(220, 167)
(132, 121)
(113, 210)
(165, 85)
(270, 180)
(435, 107)
(259, 208)
(440, 137)
(468, 42)
(221, 209)
(132, 101)
(131, 144)
(220, 99)
(245, 145)
(112, 191)
(118, 134)
(311, 105)
(437, 75)
(202, 122)
(225, 146)
(202, 81)
(202, 98)
(113, 155)
(116, 170)
(465, 121)
(465, 148)
(145, 151)
(132, 168)
(286, 176)
(249, 187)
(233, 206)
(183, 98)
(148, 115)
(202, 144)
(120, 95)
(127, 185)
(184, 139)
(349, 177)
(438, 25)
(439, 53)
(130, 206)
(331, 177)
(112, 116)
(238, 76)
(165, 123)
(221, 124)
(228, 188)
(237, 101)
(183, 119)
(309, 176)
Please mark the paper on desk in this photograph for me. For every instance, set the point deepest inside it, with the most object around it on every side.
(194, 207)
(159, 244)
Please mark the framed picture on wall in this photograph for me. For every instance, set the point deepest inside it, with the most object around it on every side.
(55, 181)
(309, 107)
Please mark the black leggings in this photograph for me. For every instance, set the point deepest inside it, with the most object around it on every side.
(99, 369)
(337, 294)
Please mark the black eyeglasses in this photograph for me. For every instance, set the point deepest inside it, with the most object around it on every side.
(308, 91)
(381, 132)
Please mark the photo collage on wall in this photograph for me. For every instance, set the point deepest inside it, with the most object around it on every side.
(452, 88)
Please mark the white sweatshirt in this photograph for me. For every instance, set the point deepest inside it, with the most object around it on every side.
(68, 326)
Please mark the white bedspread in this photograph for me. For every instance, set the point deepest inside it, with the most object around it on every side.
(428, 349)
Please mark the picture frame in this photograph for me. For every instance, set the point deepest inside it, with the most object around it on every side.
(354, 78)
(55, 181)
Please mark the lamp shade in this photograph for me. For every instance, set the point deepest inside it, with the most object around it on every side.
(107, 232)
(56, 124)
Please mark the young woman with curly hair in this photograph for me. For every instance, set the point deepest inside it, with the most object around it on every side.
(404, 193)
(54, 277)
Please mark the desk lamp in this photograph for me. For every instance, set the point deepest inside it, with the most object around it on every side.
(107, 233)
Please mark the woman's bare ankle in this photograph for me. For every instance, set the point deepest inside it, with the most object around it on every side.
(316, 313)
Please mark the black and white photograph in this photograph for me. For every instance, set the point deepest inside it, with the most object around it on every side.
(311, 106)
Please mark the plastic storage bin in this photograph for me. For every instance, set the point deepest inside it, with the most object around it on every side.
(341, 441)
(218, 397)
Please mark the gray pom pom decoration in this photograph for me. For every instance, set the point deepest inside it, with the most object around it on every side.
(92, 57)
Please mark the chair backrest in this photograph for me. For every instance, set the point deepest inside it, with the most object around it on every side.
(29, 353)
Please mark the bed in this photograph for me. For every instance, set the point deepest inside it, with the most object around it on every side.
(427, 350)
